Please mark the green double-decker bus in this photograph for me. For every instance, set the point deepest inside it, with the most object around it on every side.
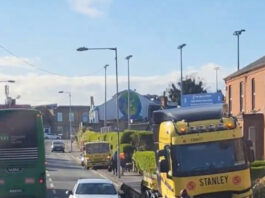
(22, 158)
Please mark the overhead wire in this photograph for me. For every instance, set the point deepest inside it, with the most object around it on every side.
(41, 69)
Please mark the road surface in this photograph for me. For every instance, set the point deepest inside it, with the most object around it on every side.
(62, 172)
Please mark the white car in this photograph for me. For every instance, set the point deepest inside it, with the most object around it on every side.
(93, 188)
(51, 136)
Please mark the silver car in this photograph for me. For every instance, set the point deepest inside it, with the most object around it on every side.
(57, 145)
(93, 188)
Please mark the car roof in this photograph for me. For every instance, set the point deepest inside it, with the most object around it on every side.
(82, 181)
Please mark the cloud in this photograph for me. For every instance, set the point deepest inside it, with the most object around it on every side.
(12, 61)
(91, 8)
(37, 89)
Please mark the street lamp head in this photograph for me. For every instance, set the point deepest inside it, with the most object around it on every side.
(106, 66)
(238, 32)
(80, 49)
(60, 91)
(128, 57)
(181, 46)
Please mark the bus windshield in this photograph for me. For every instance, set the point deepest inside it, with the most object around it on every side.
(18, 129)
(97, 148)
(207, 157)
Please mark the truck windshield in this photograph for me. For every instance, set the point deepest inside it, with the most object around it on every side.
(209, 157)
(97, 148)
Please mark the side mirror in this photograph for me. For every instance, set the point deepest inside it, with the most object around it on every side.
(163, 166)
(68, 192)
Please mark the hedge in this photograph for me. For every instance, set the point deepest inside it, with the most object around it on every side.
(257, 170)
(144, 161)
(139, 140)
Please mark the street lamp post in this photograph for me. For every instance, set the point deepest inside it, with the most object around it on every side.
(181, 76)
(70, 117)
(238, 33)
(8, 99)
(117, 92)
(105, 104)
(129, 115)
(216, 79)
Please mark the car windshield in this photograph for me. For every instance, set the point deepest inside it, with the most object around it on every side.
(207, 157)
(96, 189)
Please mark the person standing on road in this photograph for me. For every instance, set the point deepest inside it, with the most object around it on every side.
(123, 163)
(114, 163)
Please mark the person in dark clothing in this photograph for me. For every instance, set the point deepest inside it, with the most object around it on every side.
(114, 163)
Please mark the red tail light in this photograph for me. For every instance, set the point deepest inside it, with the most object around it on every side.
(42, 178)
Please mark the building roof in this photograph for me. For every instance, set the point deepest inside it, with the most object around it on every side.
(252, 66)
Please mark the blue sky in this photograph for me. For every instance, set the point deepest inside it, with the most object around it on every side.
(47, 33)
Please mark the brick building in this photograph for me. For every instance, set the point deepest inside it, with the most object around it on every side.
(245, 96)
(56, 118)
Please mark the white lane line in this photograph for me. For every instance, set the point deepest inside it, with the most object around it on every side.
(54, 191)
(116, 184)
(50, 179)
(51, 185)
(48, 174)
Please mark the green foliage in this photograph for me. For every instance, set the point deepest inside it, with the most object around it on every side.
(258, 163)
(144, 161)
(139, 140)
(257, 170)
(126, 137)
(191, 85)
(143, 140)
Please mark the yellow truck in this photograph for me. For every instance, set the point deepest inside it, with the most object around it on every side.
(201, 150)
(97, 155)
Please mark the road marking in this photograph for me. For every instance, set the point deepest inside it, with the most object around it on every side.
(50, 179)
(54, 191)
(51, 185)
(116, 184)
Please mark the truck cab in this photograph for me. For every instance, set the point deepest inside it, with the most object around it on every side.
(96, 155)
(202, 150)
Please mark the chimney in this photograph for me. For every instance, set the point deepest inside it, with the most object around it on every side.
(91, 101)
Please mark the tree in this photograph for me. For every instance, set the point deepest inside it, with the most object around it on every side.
(191, 85)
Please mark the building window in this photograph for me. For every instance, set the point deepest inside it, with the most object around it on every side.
(230, 99)
(241, 96)
(253, 93)
(59, 117)
(71, 116)
(85, 117)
